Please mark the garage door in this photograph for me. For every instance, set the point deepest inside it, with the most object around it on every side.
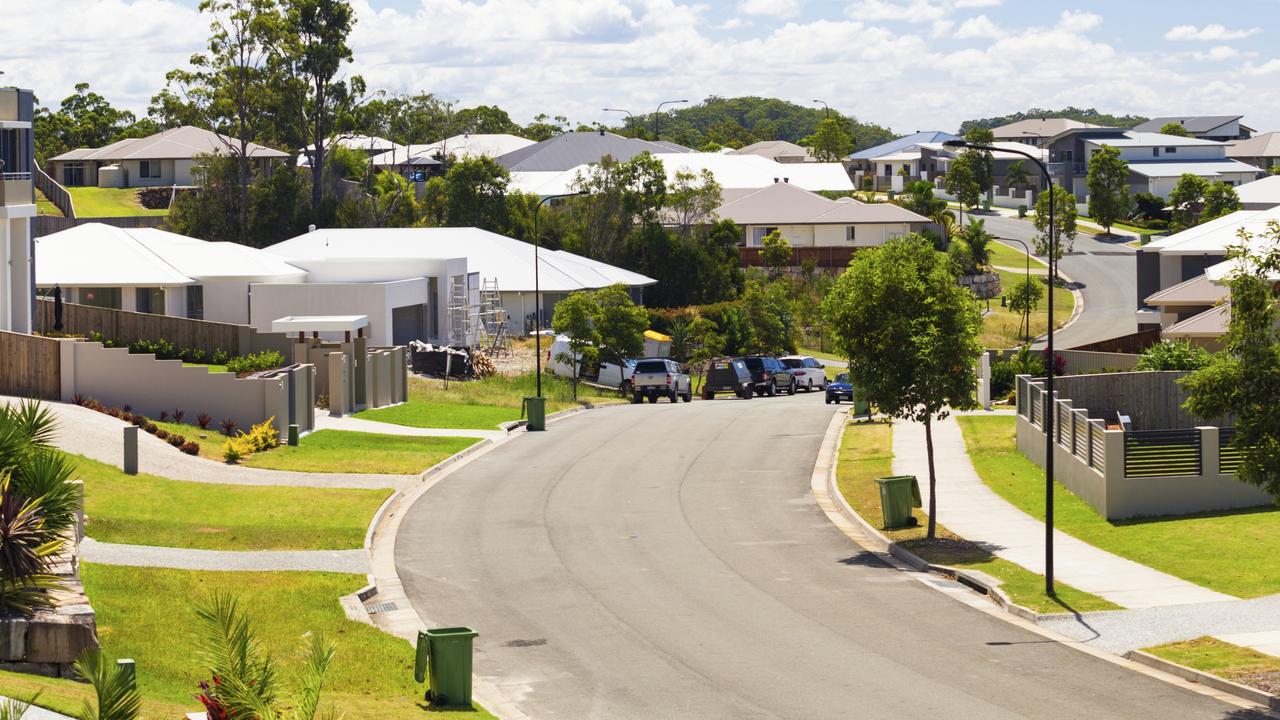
(406, 324)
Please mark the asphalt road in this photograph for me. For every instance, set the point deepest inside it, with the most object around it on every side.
(1105, 274)
(660, 561)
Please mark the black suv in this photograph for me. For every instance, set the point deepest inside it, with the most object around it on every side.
(727, 375)
(769, 376)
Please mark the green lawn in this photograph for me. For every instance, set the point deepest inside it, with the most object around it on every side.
(1013, 256)
(149, 510)
(866, 454)
(481, 404)
(145, 614)
(207, 366)
(44, 207)
(336, 451)
(1000, 326)
(1231, 662)
(1231, 552)
(91, 202)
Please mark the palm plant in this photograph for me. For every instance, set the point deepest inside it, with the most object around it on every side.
(115, 695)
(245, 683)
(946, 220)
(979, 240)
(15, 708)
(1016, 175)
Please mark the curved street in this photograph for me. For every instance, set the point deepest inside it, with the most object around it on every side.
(670, 561)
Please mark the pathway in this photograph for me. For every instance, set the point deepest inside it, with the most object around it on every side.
(1251, 623)
(973, 511)
(37, 713)
(348, 423)
(341, 561)
(98, 436)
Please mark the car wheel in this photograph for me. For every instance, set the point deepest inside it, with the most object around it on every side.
(637, 398)
(791, 389)
(809, 389)
(828, 399)
(688, 397)
(673, 397)
(773, 388)
(706, 394)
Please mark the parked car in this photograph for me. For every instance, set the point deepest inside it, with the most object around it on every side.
(660, 377)
(839, 389)
(726, 375)
(808, 371)
(604, 373)
(769, 376)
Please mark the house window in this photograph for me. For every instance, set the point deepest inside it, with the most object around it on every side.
(101, 297)
(195, 302)
(1170, 150)
(1155, 152)
(888, 169)
(73, 174)
(148, 169)
(851, 233)
(150, 300)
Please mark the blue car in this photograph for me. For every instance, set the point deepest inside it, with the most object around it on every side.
(839, 389)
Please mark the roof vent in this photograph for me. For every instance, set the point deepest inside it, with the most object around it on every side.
(786, 180)
(602, 132)
(775, 179)
(311, 228)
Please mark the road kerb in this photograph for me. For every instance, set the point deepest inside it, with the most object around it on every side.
(826, 492)
(1245, 692)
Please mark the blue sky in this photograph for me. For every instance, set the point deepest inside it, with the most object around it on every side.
(908, 64)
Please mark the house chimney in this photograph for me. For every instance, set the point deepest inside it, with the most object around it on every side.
(601, 132)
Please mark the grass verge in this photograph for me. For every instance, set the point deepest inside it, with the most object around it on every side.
(1010, 256)
(149, 510)
(207, 366)
(867, 454)
(145, 614)
(481, 404)
(1000, 325)
(93, 202)
(337, 451)
(1232, 552)
(1231, 662)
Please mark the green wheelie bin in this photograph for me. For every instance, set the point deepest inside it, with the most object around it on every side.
(860, 404)
(536, 409)
(449, 663)
(898, 494)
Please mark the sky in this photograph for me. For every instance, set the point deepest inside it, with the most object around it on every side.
(906, 64)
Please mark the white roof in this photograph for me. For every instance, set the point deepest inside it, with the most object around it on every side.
(1201, 168)
(367, 143)
(1005, 150)
(98, 255)
(319, 323)
(730, 171)
(459, 146)
(505, 259)
(1131, 138)
(1260, 193)
(1214, 236)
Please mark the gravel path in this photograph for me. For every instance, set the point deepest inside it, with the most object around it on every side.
(100, 437)
(342, 561)
(1122, 630)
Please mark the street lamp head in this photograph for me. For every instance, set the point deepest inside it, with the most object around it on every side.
(955, 144)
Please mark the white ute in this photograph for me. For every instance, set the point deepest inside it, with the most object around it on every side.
(660, 377)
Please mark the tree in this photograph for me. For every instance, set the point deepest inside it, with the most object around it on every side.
(1064, 214)
(975, 235)
(620, 324)
(1108, 184)
(1244, 379)
(1149, 205)
(1173, 355)
(313, 49)
(1024, 298)
(575, 318)
(768, 312)
(1089, 115)
(717, 262)
(910, 334)
(962, 179)
(1174, 128)
(983, 164)
(705, 342)
(1186, 199)
(776, 253)
(1016, 175)
(1219, 199)
(486, 120)
(918, 198)
(84, 119)
(475, 194)
(692, 200)
(829, 142)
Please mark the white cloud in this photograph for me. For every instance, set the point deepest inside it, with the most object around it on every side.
(1270, 67)
(771, 8)
(732, 23)
(966, 4)
(1078, 20)
(1210, 32)
(977, 27)
(941, 28)
(915, 11)
(1217, 53)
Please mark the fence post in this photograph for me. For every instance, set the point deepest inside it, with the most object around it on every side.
(1210, 452)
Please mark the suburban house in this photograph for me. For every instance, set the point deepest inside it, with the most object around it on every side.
(165, 158)
(1261, 150)
(1222, 128)
(729, 170)
(417, 162)
(1156, 161)
(572, 149)
(1181, 279)
(826, 231)
(1260, 194)
(891, 165)
(1037, 131)
(152, 271)
(778, 151)
(17, 207)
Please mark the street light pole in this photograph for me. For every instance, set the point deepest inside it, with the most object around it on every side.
(1050, 409)
(1026, 247)
(826, 109)
(631, 118)
(537, 291)
(658, 114)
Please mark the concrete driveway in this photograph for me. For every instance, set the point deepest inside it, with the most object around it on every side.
(670, 561)
(1104, 272)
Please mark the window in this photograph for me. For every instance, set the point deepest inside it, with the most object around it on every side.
(149, 300)
(1170, 150)
(73, 174)
(851, 233)
(1155, 152)
(888, 169)
(101, 297)
(148, 169)
(195, 302)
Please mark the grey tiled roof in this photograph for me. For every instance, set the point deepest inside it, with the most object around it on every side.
(572, 149)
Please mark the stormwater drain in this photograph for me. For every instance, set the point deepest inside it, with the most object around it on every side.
(525, 643)
(381, 607)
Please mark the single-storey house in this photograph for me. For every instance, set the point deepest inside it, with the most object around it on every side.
(1222, 128)
(778, 151)
(1261, 150)
(458, 147)
(573, 149)
(1261, 194)
(165, 158)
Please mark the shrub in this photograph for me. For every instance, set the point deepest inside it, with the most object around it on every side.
(228, 426)
(1002, 375)
(177, 440)
(220, 357)
(190, 447)
(232, 450)
(262, 436)
(178, 415)
(1173, 355)
(139, 421)
(164, 415)
(203, 420)
(150, 427)
(115, 413)
(255, 362)
(192, 355)
(162, 434)
(79, 399)
(127, 408)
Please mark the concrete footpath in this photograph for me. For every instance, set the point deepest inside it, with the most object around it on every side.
(347, 423)
(341, 561)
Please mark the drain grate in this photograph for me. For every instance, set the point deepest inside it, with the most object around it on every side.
(381, 607)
